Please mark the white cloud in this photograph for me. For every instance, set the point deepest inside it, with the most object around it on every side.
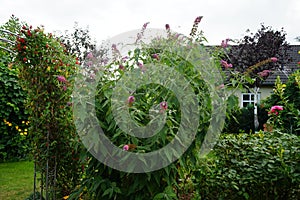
(222, 19)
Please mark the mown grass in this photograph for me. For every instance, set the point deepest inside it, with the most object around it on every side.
(16, 180)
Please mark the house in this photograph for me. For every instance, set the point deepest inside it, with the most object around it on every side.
(266, 88)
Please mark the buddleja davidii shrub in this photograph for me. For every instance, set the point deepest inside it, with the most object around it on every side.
(46, 73)
(104, 182)
(256, 166)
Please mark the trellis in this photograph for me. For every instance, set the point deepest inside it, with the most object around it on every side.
(50, 179)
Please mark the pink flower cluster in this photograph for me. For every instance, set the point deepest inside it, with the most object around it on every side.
(275, 109)
(224, 43)
(225, 64)
(264, 73)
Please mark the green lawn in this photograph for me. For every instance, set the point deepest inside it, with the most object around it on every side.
(16, 180)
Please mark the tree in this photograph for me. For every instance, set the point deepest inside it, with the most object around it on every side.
(79, 42)
(257, 55)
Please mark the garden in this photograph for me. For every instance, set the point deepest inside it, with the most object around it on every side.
(158, 121)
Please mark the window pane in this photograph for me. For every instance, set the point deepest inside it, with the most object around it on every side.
(245, 96)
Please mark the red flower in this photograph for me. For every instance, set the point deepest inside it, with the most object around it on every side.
(29, 33)
(24, 59)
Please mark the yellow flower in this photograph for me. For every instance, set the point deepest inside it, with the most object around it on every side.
(25, 133)
(48, 68)
(21, 134)
(25, 129)
(20, 130)
(9, 124)
(66, 197)
(23, 122)
(17, 127)
(298, 52)
(4, 120)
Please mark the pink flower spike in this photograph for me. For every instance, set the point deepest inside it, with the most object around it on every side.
(274, 59)
(114, 47)
(225, 64)
(224, 43)
(125, 58)
(130, 99)
(61, 79)
(140, 64)
(90, 55)
(121, 67)
(125, 147)
(264, 73)
(89, 63)
(145, 25)
(155, 56)
(163, 105)
(198, 20)
(167, 27)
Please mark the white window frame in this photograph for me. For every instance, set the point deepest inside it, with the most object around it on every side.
(249, 100)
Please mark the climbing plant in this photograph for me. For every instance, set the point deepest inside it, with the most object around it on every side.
(46, 73)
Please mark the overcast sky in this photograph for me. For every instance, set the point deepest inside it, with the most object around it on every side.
(107, 18)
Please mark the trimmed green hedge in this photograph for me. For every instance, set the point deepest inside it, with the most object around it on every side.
(251, 166)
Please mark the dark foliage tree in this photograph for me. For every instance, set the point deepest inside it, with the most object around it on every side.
(250, 55)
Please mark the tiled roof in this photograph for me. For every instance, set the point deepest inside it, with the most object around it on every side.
(287, 69)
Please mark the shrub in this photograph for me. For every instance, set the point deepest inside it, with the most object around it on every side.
(14, 143)
(288, 96)
(104, 182)
(251, 166)
(242, 119)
